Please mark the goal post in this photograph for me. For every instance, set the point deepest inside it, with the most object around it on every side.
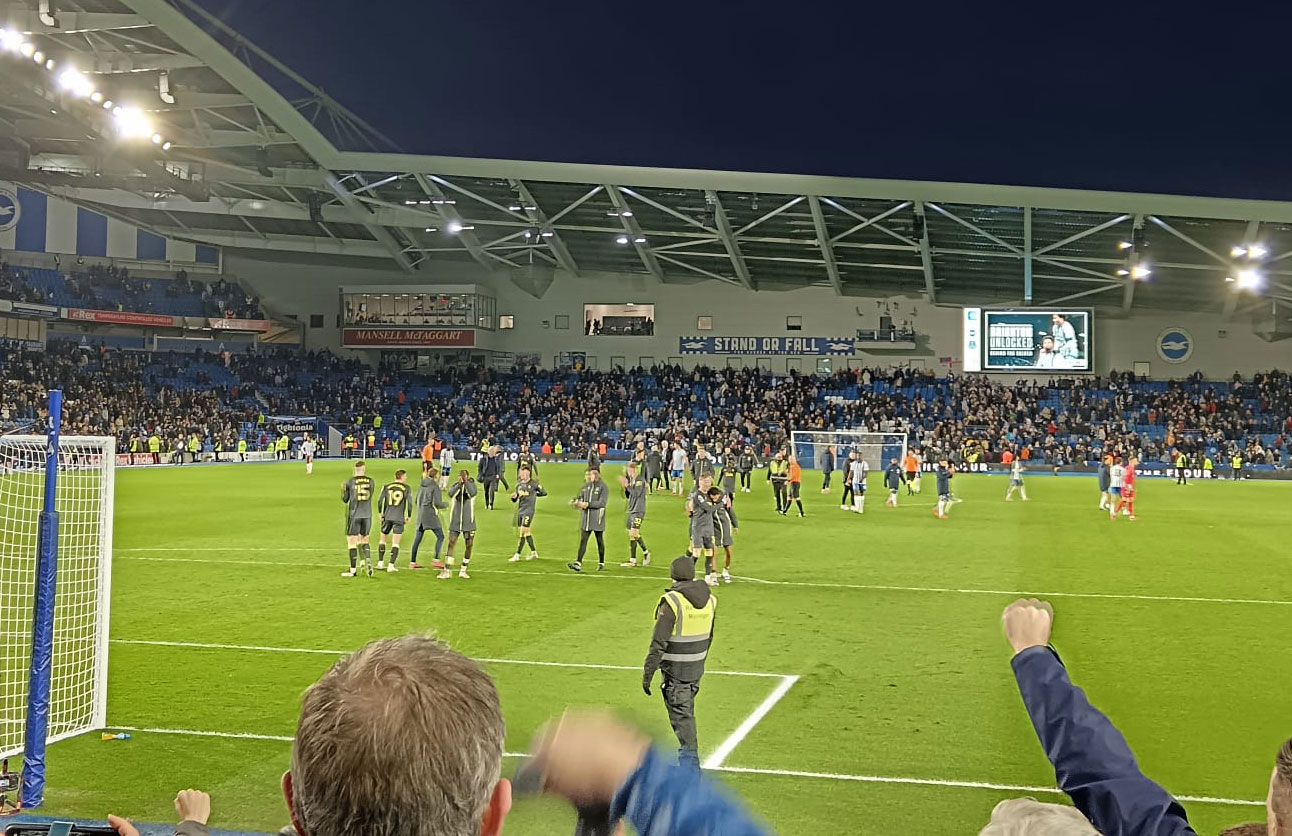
(55, 582)
(878, 449)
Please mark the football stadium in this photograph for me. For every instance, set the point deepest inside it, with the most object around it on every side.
(346, 489)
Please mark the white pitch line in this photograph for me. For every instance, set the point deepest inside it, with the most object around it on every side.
(1114, 596)
(936, 782)
(741, 770)
(742, 731)
(482, 659)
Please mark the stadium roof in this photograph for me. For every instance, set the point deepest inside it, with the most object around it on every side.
(255, 163)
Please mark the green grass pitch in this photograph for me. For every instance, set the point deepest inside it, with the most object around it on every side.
(1176, 625)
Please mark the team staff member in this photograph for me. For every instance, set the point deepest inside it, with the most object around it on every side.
(944, 489)
(154, 447)
(487, 474)
(430, 501)
(746, 465)
(393, 507)
(526, 498)
(778, 473)
(1181, 468)
(357, 494)
(654, 467)
(1105, 482)
(795, 487)
(592, 502)
(462, 522)
(827, 467)
(679, 646)
(635, 490)
(1236, 466)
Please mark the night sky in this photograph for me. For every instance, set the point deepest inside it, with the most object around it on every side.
(1126, 97)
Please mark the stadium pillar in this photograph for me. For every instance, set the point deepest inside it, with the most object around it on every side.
(1027, 255)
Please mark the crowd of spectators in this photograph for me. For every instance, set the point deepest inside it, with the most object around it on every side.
(975, 418)
(112, 287)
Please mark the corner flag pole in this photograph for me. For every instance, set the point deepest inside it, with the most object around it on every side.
(42, 621)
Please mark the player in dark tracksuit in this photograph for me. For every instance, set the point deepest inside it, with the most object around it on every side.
(1105, 483)
(591, 501)
(827, 467)
(430, 501)
(654, 467)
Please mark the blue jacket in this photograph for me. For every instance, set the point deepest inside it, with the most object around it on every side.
(1092, 762)
(663, 798)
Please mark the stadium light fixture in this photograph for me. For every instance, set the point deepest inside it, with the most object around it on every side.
(96, 97)
(1257, 251)
(1140, 271)
(75, 82)
(38, 57)
(1238, 252)
(10, 40)
(166, 146)
(157, 139)
(107, 104)
(26, 49)
(132, 123)
(548, 233)
(622, 239)
(1124, 245)
(514, 207)
(1249, 279)
(431, 229)
(640, 239)
(1123, 272)
(49, 65)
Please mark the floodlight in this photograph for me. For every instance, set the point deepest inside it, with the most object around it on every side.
(548, 234)
(1249, 279)
(10, 40)
(1238, 252)
(157, 139)
(622, 239)
(166, 146)
(1124, 245)
(1140, 271)
(1257, 251)
(454, 227)
(38, 57)
(639, 240)
(49, 65)
(515, 207)
(132, 123)
(1123, 272)
(96, 97)
(627, 213)
(26, 48)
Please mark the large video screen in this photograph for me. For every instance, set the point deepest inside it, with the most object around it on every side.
(1037, 340)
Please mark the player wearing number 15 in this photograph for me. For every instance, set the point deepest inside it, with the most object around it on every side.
(357, 494)
(393, 507)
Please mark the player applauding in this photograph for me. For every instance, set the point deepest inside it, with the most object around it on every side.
(1127, 501)
(526, 498)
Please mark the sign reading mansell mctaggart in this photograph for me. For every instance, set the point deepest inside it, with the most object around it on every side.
(407, 338)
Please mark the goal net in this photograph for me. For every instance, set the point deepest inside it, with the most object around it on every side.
(878, 449)
(54, 589)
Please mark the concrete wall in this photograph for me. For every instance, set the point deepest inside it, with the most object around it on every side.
(292, 287)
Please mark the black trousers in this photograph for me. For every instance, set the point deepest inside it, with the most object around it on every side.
(744, 478)
(825, 485)
(1179, 476)
(782, 497)
(679, 701)
(601, 545)
(846, 499)
(491, 490)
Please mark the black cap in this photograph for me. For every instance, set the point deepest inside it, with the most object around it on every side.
(683, 568)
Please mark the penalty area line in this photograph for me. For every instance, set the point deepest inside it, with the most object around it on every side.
(742, 731)
(737, 770)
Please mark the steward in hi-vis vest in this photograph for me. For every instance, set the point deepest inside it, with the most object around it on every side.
(678, 649)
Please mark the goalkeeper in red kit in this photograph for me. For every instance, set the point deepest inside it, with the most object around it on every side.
(1127, 500)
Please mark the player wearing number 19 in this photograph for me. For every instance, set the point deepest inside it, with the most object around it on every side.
(357, 494)
(393, 507)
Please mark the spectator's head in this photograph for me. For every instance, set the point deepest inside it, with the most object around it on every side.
(377, 752)
(1278, 807)
(1029, 817)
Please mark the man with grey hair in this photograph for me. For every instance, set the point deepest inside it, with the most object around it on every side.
(1029, 817)
(404, 737)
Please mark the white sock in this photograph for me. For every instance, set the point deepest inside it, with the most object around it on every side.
(861, 504)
